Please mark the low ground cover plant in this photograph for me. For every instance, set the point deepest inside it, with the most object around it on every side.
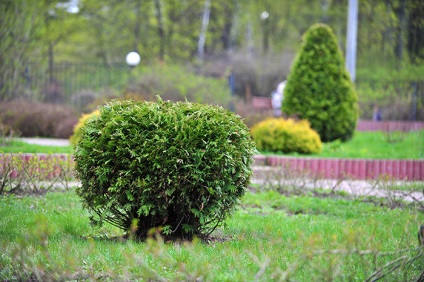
(180, 167)
(286, 135)
(270, 237)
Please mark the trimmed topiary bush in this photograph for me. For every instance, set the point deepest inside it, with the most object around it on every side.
(77, 132)
(287, 136)
(319, 88)
(179, 166)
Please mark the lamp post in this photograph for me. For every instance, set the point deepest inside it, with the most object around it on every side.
(264, 17)
(352, 27)
(132, 59)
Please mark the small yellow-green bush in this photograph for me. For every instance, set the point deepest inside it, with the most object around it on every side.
(77, 132)
(286, 135)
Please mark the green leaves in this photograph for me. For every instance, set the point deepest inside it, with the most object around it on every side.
(178, 164)
(288, 136)
(319, 88)
(178, 83)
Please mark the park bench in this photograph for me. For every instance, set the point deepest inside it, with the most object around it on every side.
(261, 103)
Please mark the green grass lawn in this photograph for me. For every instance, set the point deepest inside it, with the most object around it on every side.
(363, 145)
(375, 145)
(16, 146)
(270, 238)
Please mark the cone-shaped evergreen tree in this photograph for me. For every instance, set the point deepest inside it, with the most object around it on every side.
(319, 87)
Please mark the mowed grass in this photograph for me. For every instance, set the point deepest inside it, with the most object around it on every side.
(16, 146)
(269, 238)
(375, 145)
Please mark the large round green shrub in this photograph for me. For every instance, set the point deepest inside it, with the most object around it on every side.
(178, 166)
(286, 135)
(319, 88)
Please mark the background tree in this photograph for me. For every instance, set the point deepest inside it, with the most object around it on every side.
(416, 32)
(21, 25)
(29, 32)
(104, 31)
(319, 88)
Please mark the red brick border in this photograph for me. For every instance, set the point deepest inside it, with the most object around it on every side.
(406, 169)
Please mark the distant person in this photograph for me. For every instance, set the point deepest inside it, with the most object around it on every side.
(277, 98)
(377, 115)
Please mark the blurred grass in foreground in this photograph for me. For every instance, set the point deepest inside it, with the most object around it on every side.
(271, 237)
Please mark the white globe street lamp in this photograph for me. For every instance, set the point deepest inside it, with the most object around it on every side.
(133, 59)
(264, 15)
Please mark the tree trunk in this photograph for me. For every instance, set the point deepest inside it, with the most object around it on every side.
(202, 36)
(161, 33)
(324, 7)
(137, 25)
(51, 62)
(401, 15)
(416, 31)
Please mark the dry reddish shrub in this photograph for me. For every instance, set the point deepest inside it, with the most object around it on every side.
(36, 119)
(249, 114)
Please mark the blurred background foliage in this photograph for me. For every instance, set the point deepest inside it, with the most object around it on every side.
(73, 52)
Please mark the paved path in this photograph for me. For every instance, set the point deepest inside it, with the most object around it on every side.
(46, 141)
(353, 187)
(271, 176)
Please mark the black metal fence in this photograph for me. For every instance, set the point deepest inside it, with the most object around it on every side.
(78, 83)
(63, 81)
